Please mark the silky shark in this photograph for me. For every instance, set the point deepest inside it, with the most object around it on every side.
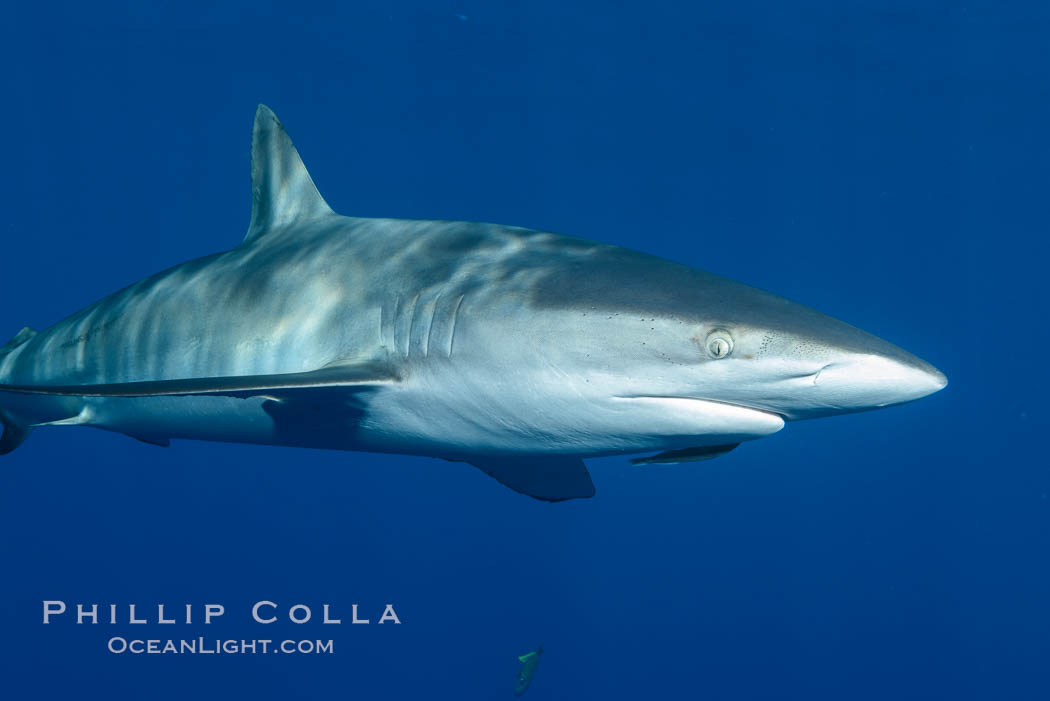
(518, 351)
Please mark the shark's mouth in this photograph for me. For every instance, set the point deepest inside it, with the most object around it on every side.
(710, 416)
(706, 400)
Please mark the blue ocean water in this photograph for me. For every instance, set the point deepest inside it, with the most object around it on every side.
(885, 163)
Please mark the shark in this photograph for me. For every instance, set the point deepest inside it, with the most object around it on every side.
(517, 351)
(530, 661)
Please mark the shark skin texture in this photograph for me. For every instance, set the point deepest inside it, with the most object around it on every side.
(521, 352)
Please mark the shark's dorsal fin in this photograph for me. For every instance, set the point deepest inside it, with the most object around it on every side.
(283, 192)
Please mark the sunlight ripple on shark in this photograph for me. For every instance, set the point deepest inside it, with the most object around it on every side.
(518, 351)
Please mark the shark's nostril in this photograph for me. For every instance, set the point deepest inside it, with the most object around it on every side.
(816, 376)
(876, 380)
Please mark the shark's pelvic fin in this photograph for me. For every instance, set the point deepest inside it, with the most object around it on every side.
(283, 193)
(160, 441)
(685, 455)
(545, 477)
(343, 375)
(14, 434)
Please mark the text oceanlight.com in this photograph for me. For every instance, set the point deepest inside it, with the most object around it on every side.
(203, 646)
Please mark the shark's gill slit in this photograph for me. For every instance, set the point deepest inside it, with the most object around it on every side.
(452, 330)
(434, 306)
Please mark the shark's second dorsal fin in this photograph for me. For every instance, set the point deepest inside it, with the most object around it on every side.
(20, 338)
(283, 192)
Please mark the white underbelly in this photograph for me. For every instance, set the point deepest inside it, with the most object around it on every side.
(455, 418)
(426, 417)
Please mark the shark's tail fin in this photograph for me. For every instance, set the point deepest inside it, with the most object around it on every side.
(15, 432)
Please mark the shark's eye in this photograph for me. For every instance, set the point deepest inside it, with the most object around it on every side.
(719, 343)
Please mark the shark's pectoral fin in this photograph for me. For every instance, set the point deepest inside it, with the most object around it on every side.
(685, 455)
(312, 417)
(350, 375)
(545, 477)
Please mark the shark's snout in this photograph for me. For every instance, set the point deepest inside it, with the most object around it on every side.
(878, 380)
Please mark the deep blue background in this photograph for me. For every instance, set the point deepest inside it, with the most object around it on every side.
(886, 163)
